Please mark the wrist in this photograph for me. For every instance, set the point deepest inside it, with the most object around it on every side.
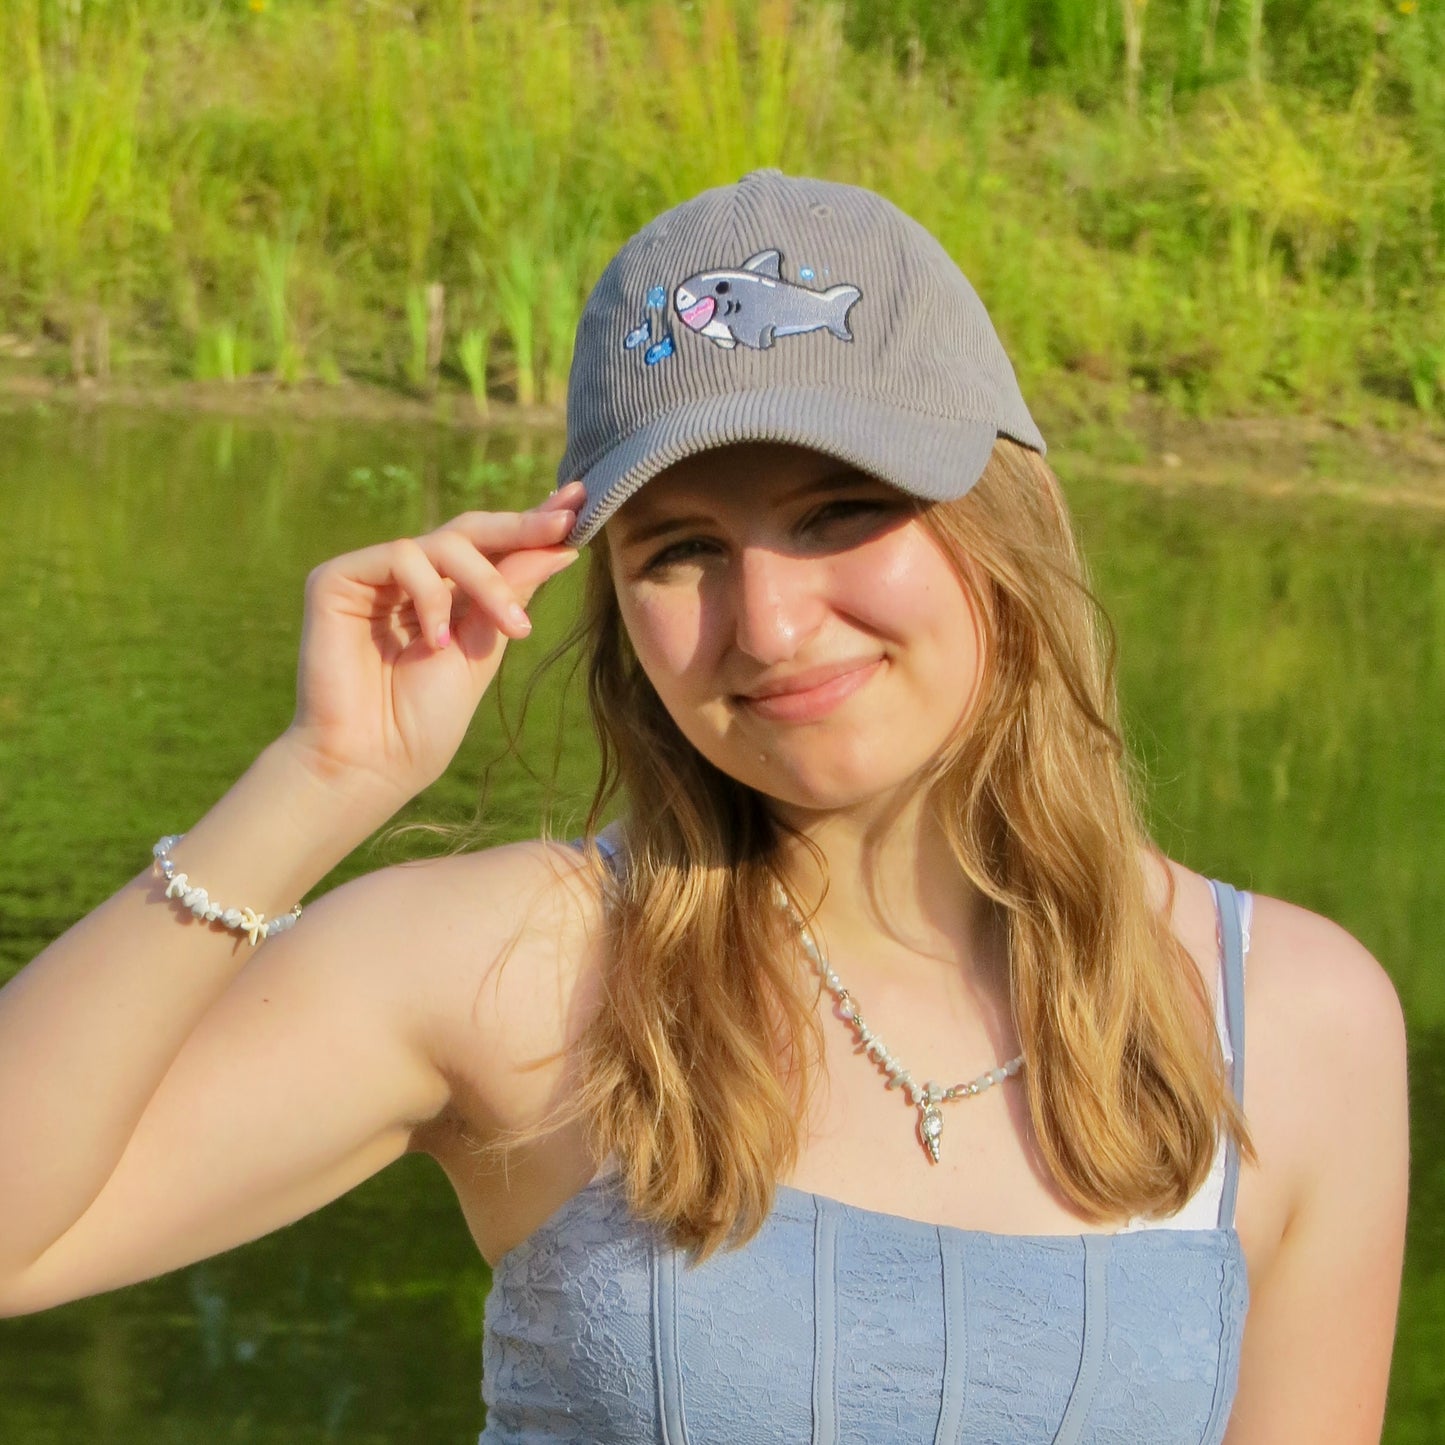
(279, 830)
(340, 790)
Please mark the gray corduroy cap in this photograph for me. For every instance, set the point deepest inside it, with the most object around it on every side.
(789, 310)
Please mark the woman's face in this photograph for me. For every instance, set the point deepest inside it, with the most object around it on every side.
(797, 620)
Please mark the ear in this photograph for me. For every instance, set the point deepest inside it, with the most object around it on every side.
(765, 263)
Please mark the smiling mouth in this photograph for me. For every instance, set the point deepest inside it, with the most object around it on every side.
(697, 316)
(810, 695)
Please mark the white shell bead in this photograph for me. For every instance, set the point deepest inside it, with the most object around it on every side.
(926, 1096)
(198, 900)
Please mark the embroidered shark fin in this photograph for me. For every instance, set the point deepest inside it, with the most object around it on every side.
(840, 301)
(765, 263)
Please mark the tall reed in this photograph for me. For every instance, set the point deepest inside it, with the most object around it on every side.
(1262, 228)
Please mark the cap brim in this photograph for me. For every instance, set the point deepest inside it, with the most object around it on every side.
(931, 458)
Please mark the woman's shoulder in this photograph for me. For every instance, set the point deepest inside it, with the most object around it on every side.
(1305, 974)
(1316, 1000)
(1322, 1213)
(533, 884)
(1324, 1075)
(467, 909)
(1320, 1006)
(499, 951)
(1325, 1048)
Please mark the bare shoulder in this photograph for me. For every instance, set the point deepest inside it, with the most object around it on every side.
(1317, 1003)
(509, 952)
(1325, 1048)
(1328, 1004)
(496, 951)
(1324, 1056)
(1321, 1209)
(1316, 957)
(1322, 1212)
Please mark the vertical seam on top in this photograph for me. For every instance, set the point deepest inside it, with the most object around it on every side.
(955, 1340)
(670, 1411)
(825, 1324)
(1092, 1347)
(1226, 1361)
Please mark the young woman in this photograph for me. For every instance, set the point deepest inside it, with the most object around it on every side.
(873, 1077)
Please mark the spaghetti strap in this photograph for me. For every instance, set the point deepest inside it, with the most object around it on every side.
(1231, 936)
(608, 848)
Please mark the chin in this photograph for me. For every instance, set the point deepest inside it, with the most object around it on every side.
(820, 784)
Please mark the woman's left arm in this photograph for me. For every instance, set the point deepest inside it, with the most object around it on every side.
(1325, 1096)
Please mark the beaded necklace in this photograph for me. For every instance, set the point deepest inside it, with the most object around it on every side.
(926, 1097)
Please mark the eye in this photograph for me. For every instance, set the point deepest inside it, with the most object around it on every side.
(675, 554)
(851, 509)
(722, 288)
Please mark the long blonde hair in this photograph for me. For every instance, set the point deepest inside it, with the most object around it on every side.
(697, 1067)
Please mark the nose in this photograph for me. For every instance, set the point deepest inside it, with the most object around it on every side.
(778, 604)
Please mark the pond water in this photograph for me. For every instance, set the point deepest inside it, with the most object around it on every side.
(1283, 671)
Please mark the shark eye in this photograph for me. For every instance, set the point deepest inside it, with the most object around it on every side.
(722, 288)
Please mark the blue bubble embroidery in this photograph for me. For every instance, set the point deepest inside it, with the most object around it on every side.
(661, 349)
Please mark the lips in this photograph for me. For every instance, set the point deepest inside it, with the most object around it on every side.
(811, 694)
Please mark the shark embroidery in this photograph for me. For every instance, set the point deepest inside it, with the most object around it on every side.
(754, 305)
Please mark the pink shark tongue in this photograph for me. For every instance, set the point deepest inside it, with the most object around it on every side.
(699, 315)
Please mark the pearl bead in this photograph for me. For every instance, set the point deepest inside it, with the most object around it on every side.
(928, 1095)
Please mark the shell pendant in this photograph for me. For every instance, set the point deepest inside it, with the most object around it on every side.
(930, 1129)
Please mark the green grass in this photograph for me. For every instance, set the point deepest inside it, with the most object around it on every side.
(1235, 207)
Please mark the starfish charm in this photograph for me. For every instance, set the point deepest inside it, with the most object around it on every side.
(253, 925)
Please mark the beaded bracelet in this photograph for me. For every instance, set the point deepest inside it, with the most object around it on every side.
(254, 925)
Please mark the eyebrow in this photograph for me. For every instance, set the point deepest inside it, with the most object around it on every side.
(832, 482)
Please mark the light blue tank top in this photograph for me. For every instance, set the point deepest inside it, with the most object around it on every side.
(838, 1325)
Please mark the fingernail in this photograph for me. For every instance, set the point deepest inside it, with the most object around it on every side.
(518, 618)
(444, 635)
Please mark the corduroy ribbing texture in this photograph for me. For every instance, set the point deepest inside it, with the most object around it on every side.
(790, 310)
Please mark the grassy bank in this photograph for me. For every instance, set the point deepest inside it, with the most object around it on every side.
(1228, 204)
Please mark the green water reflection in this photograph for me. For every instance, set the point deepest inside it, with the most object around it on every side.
(1283, 669)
